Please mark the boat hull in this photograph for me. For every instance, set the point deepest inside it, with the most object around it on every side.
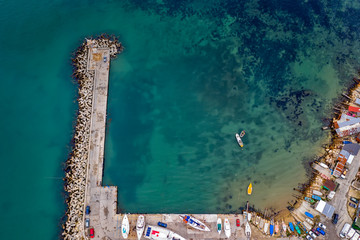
(238, 139)
(125, 227)
(227, 228)
(195, 223)
(247, 230)
(140, 226)
(249, 190)
(219, 225)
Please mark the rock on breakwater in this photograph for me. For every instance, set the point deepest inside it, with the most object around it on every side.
(77, 163)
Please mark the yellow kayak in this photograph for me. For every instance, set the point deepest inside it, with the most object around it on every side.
(249, 189)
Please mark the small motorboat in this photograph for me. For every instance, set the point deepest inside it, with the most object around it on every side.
(140, 226)
(227, 228)
(242, 134)
(266, 227)
(297, 229)
(245, 216)
(283, 226)
(238, 139)
(271, 228)
(276, 227)
(249, 190)
(125, 227)
(291, 226)
(257, 221)
(309, 215)
(247, 230)
(249, 217)
(262, 222)
(195, 223)
(219, 225)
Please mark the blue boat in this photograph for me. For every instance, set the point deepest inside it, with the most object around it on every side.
(347, 142)
(316, 197)
(291, 226)
(271, 228)
(309, 215)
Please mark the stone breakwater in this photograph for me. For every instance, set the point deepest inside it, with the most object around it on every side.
(77, 163)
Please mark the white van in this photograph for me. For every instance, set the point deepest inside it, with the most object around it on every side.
(350, 233)
(355, 237)
(345, 230)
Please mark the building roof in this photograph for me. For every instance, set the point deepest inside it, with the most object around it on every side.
(330, 185)
(357, 101)
(352, 148)
(348, 123)
(325, 208)
(342, 159)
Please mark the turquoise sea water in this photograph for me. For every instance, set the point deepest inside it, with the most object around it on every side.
(192, 74)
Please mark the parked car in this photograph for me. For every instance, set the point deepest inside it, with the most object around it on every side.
(87, 222)
(87, 211)
(352, 205)
(238, 222)
(161, 224)
(92, 233)
(322, 226)
(322, 232)
(335, 218)
(345, 230)
(309, 238)
(313, 235)
(316, 232)
(354, 200)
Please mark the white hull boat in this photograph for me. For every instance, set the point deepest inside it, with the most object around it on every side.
(195, 223)
(247, 230)
(219, 225)
(249, 217)
(227, 228)
(125, 227)
(266, 227)
(140, 226)
(238, 139)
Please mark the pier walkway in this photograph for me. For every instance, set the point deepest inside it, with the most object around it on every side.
(103, 200)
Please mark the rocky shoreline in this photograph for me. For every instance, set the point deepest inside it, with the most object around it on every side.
(77, 163)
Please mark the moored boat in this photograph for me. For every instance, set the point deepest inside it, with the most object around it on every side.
(140, 226)
(262, 222)
(247, 230)
(249, 216)
(297, 229)
(249, 190)
(283, 226)
(309, 215)
(238, 139)
(159, 233)
(125, 227)
(242, 133)
(271, 228)
(266, 227)
(257, 221)
(276, 227)
(227, 228)
(195, 223)
(291, 226)
(219, 225)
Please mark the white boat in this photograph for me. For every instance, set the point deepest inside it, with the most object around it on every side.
(195, 223)
(242, 134)
(249, 216)
(238, 139)
(266, 227)
(284, 226)
(125, 227)
(257, 220)
(219, 225)
(227, 228)
(140, 226)
(159, 233)
(247, 230)
(245, 216)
